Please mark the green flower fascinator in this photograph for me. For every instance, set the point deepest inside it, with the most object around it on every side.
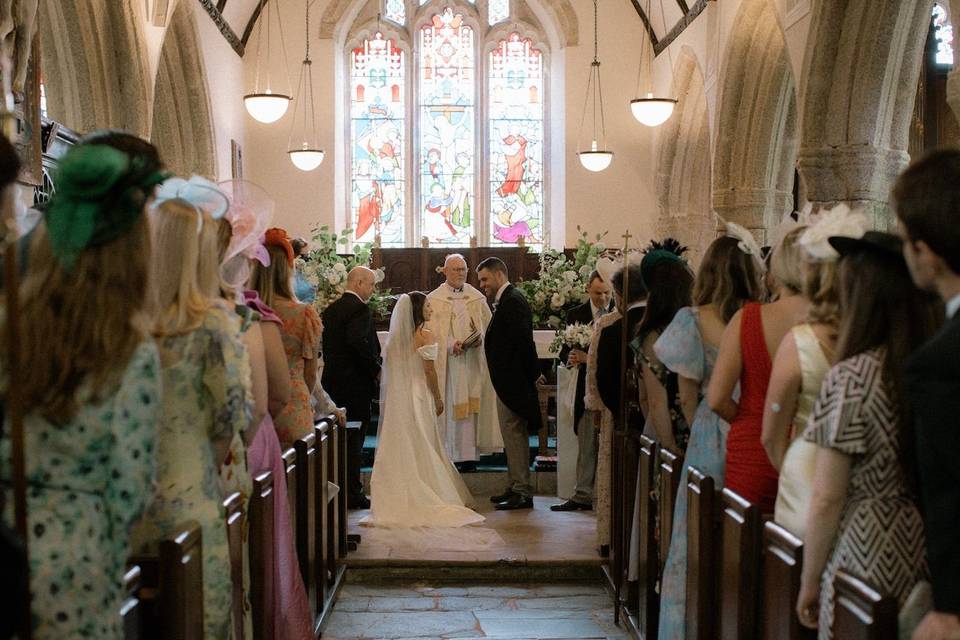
(667, 250)
(100, 193)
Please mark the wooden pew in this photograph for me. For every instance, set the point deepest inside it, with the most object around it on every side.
(860, 612)
(335, 569)
(321, 577)
(130, 609)
(305, 511)
(171, 587)
(703, 544)
(739, 568)
(343, 538)
(290, 470)
(262, 557)
(233, 508)
(670, 467)
(648, 600)
(782, 562)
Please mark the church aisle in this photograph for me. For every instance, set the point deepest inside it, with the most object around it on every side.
(514, 612)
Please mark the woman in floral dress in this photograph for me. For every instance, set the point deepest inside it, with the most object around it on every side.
(207, 402)
(92, 399)
(728, 277)
(301, 333)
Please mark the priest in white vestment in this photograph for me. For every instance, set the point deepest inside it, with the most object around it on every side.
(469, 425)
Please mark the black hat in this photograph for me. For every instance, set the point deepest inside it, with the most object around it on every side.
(876, 241)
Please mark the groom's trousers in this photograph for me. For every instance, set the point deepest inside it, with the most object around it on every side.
(516, 444)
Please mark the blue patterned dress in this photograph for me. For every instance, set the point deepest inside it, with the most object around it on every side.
(681, 349)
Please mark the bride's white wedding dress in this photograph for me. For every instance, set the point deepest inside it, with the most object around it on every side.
(414, 483)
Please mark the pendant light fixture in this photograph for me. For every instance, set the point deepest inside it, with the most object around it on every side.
(306, 154)
(596, 158)
(650, 110)
(263, 104)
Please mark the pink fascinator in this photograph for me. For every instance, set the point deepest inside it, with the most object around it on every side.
(250, 214)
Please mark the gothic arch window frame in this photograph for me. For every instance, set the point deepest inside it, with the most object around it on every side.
(487, 38)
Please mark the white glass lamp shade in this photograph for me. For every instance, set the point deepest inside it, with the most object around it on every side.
(306, 159)
(651, 111)
(595, 159)
(266, 107)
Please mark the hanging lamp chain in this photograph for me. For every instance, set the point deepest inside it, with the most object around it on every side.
(596, 38)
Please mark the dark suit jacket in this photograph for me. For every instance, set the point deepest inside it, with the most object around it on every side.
(512, 357)
(932, 380)
(608, 359)
(582, 314)
(351, 356)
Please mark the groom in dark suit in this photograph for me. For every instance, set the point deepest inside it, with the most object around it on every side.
(351, 368)
(514, 369)
(927, 202)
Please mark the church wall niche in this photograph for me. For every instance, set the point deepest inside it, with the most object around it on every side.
(95, 65)
(683, 163)
(755, 151)
(182, 127)
(861, 72)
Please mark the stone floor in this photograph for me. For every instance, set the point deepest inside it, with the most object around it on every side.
(515, 612)
(526, 536)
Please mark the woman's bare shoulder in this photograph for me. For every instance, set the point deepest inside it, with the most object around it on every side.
(424, 336)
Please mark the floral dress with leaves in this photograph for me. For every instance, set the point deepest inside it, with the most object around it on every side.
(207, 400)
(88, 480)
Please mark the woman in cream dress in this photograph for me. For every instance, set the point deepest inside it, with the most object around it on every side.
(799, 367)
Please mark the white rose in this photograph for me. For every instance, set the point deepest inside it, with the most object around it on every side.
(571, 276)
(332, 279)
(600, 246)
(584, 271)
(556, 301)
(339, 266)
(540, 296)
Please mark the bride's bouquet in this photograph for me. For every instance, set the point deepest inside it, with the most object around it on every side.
(575, 336)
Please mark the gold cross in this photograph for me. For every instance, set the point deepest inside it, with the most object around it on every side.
(626, 240)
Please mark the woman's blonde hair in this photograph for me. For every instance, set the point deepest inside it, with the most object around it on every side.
(82, 325)
(274, 281)
(786, 263)
(820, 287)
(180, 299)
(728, 278)
(214, 240)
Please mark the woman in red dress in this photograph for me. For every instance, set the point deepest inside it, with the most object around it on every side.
(744, 361)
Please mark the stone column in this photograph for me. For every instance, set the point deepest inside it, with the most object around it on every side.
(953, 80)
(864, 63)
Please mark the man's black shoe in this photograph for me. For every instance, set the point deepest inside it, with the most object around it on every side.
(503, 497)
(516, 501)
(570, 505)
(360, 503)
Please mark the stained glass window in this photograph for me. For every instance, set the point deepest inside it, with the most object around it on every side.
(395, 10)
(515, 102)
(498, 11)
(943, 32)
(447, 118)
(377, 125)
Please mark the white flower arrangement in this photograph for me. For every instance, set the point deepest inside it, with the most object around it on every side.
(562, 281)
(326, 270)
(575, 336)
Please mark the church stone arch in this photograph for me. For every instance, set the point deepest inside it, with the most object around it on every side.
(182, 125)
(755, 151)
(683, 166)
(862, 67)
(95, 65)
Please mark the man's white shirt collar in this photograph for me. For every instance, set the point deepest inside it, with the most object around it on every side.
(953, 306)
(501, 290)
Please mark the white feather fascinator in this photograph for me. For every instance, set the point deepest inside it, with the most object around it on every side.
(608, 265)
(838, 221)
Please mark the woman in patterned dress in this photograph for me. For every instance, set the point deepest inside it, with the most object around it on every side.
(729, 277)
(93, 396)
(863, 516)
(301, 333)
(207, 404)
